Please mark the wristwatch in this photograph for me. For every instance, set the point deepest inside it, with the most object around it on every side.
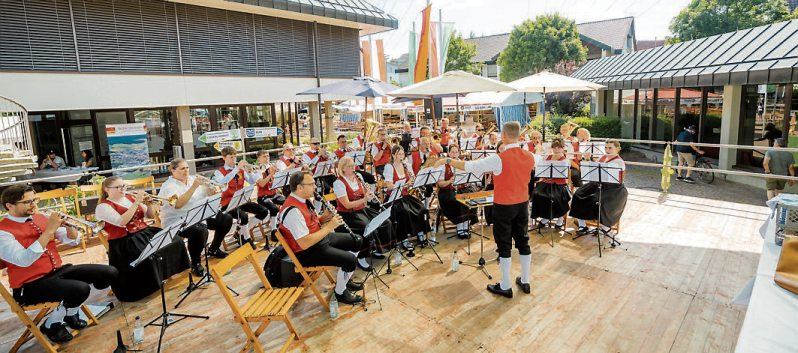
(448, 161)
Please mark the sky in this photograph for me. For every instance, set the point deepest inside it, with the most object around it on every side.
(486, 17)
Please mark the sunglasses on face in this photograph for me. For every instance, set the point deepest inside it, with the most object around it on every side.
(29, 203)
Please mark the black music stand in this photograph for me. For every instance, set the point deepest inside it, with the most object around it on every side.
(465, 178)
(370, 229)
(209, 208)
(323, 169)
(553, 170)
(281, 178)
(396, 193)
(479, 154)
(600, 173)
(469, 144)
(595, 148)
(480, 264)
(241, 196)
(359, 157)
(157, 242)
(428, 177)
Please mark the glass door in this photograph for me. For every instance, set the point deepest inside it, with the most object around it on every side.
(80, 138)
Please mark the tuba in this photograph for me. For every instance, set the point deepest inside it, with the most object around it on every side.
(370, 137)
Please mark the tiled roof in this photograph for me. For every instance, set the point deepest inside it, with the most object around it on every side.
(648, 44)
(489, 47)
(360, 11)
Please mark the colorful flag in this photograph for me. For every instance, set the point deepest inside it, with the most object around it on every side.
(420, 69)
(433, 54)
(365, 47)
(411, 55)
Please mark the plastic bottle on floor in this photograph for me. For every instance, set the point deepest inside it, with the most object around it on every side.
(333, 307)
(138, 331)
(455, 262)
(397, 258)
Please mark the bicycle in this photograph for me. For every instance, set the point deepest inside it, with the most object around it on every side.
(703, 163)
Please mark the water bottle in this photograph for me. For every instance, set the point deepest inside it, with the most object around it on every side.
(138, 331)
(397, 258)
(433, 238)
(333, 307)
(455, 262)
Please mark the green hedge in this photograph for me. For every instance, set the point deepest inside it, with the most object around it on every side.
(601, 126)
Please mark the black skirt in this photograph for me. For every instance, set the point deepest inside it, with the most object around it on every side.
(409, 216)
(358, 221)
(138, 282)
(455, 211)
(550, 200)
(613, 202)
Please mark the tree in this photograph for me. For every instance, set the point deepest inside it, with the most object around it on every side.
(704, 18)
(461, 54)
(540, 45)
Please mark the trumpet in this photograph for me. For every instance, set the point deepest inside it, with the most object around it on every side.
(150, 199)
(77, 223)
(209, 182)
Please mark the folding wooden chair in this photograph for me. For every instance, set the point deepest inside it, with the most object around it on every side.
(62, 200)
(309, 274)
(267, 305)
(32, 324)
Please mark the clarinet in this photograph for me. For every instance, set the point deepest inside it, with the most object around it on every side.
(332, 210)
(374, 195)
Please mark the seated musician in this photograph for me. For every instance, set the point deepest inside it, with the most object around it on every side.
(191, 192)
(613, 195)
(352, 197)
(233, 177)
(454, 211)
(313, 239)
(35, 270)
(418, 157)
(479, 132)
(446, 135)
(128, 236)
(535, 143)
(313, 157)
(572, 148)
(268, 197)
(422, 133)
(288, 160)
(359, 143)
(380, 152)
(435, 146)
(491, 142)
(341, 151)
(407, 212)
(551, 196)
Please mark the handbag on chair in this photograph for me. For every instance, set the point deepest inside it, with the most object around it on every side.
(787, 268)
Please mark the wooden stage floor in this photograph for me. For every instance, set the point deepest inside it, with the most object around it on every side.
(669, 291)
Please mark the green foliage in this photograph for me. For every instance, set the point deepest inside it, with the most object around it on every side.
(461, 54)
(704, 18)
(601, 126)
(540, 45)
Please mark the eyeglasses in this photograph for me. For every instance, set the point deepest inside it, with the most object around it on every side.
(315, 143)
(307, 184)
(480, 129)
(29, 202)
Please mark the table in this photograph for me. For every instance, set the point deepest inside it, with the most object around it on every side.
(68, 175)
(770, 321)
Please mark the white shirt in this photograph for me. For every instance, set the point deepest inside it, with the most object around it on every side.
(308, 161)
(294, 221)
(57, 160)
(387, 173)
(250, 178)
(13, 252)
(171, 215)
(105, 212)
(356, 143)
(340, 189)
(492, 163)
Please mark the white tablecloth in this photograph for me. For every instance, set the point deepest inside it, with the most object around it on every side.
(771, 322)
(68, 178)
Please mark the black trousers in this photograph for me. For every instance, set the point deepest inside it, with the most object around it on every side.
(242, 212)
(367, 177)
(510, 224)
(197, 236)
(272, 203)
(379, 169)
(333, 250)
(69, 284)
(221, 225)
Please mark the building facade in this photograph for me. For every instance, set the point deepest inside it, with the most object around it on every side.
(181, 67)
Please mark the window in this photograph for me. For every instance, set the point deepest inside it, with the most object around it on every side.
(627, 113)
(227, 118)
(645, 109)
(666, 112)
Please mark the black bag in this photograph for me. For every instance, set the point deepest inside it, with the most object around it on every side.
(279, 269)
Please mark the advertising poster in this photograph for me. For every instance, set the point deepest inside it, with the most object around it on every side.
(127, 147)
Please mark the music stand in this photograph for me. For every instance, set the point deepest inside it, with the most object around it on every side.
(373, 225)
(323, 169)
(396, 192)
(469, 144)
(281, 177)
(595, 148)
(157, 242)
(481, 202)
(358, 156)
(465, 178)
(427, 177)
(479, 154)
(555, 170)
(240, 197)
(600, 173)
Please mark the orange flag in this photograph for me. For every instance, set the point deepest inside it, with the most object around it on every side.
(420, 71)
(365, 46)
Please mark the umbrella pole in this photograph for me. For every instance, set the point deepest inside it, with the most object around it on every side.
(543, 108)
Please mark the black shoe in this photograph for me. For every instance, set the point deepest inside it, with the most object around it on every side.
(217, 253)
(463, 235)
(272, 237)
(366, 268)
(689, 180)
(354, 286)
(407, 245)
(559, 228)
(75, 322)
(198, 270)
(524, 286)
(583, 231)
(348, 297)
(679, 177)
(376, 255)
(540, 226)
(252, 244)
(497, 289)
(56, 333)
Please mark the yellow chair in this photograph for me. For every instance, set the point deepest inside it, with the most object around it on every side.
(143, 183)
(267, 305)
(56, 201)
(32, 324)
(309, 274)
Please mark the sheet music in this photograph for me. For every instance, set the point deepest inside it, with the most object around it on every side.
(428, 176)
(552, 169)
(281, 178)
(595, 148)
(479, 154)
(469, 143)
(396, 191)
(358, 156)
(377, 221)
(463, 177)
(207, 209)
(608, 172)
(157, 242)
(241, 196)
(323, 169)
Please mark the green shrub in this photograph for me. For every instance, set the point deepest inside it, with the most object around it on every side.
(601, 126)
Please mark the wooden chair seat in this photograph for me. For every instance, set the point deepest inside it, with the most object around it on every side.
(271, 302)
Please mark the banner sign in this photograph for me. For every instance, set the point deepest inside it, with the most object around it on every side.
(127, 147)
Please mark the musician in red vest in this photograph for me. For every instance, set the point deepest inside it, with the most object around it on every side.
(288, 160)
(417, 158)
(479, 134)
(314, 240)
(359, 143)
(313, 157)
(613, 195)
(124, 215)
(407, 212)
(446, 134)
(341, 151)
(353, 196)
(233, 176)
(511, 173)
(36, 272)
(455, 211)
(551, 197)
(380, 152)
(268, 197)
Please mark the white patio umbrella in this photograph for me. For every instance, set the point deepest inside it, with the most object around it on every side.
(451, 83)
(549, 82)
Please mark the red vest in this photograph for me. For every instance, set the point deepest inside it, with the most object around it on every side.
(341, 153)
(267, 189)
(26, 234)
(415, 158)
(311, 155)
(396, 178)
(311, 220)
(607, 159)
(386, 154)
(287, 161)
(512, 185)
(360, 141)
(232, 186)
(448, 174)
(444, 136)
(552, 181)
(351, 195)
(136, 223)
(478, 145)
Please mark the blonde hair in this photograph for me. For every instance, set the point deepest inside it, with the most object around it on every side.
(582, 130)
(107, 184)
(614, 143)
(535, 133)
(344, 162)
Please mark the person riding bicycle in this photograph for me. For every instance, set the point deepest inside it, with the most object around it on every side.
(685, 153)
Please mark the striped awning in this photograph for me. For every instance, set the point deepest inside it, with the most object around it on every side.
(766, 54)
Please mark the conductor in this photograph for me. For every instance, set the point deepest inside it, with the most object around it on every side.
(511, 170)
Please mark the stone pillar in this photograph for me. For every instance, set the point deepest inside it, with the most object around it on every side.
(730, 124)
(186, 135)
(597, 102)
(315, 119)
(328, 121)
(611, 102)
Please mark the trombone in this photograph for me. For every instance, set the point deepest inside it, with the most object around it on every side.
(155, 198)
(77, 223)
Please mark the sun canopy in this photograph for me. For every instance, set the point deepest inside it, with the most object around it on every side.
(356, 87)
(549, 82)
(452, 83)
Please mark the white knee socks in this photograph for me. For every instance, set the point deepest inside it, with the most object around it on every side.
(581, 223)
(504, 265)
(341, 280)
(57, 316)
(558, 221)
(244, 231)
(273, 222)
(526, 264)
